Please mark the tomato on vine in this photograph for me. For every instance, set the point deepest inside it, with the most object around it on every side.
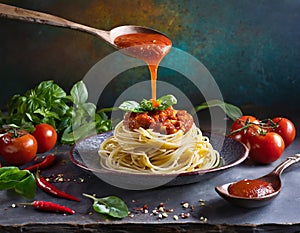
(46, 137)
(266, 147)
(17, 147)
(285, 128)
(243, 127)
(266, 139)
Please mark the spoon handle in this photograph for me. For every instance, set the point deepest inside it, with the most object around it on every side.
(13, 12)
(285, 164)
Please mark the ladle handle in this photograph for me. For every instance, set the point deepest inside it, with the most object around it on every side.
(285, 164)
(13, 12)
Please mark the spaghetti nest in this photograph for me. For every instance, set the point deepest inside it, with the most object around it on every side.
(149, 152)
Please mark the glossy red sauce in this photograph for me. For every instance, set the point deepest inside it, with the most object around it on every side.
(250, 188)
(150, 48)
(167, 121)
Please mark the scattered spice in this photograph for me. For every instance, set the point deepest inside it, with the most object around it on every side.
(49, 188)
(185, 205)
(59, 178)
(203, 219)
(161, 212)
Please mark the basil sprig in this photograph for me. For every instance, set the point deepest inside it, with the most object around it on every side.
(146, 105)
(21, 181)
(111, 205)
(49, 103)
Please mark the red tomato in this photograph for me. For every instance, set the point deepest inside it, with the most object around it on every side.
(18, 149)
(266, 148)
(46, 137)
(240, 134)
(286, 129)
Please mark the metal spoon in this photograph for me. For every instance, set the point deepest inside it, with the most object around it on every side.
(273, 178)
(13, 12)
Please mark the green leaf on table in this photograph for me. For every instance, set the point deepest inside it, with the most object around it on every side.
(21, 181)
(111, 205)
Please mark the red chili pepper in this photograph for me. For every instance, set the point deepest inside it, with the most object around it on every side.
(49, 188)
(46, 162)
(50, 206)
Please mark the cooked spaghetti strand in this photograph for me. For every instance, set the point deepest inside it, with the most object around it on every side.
(146, 151)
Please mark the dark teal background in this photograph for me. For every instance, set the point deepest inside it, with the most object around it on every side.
(251, 47)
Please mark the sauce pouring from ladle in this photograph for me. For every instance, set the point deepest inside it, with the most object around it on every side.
(273, 178)
(143, 43)
(12, 12)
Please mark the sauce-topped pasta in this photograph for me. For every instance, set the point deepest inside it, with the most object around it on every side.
(160, 139)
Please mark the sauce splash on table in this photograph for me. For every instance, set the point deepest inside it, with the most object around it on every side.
(150, 48)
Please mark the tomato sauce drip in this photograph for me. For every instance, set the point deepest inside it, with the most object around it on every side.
(150, 48)
(250, 188)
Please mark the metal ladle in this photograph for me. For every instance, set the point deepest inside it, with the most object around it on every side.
(13, 12)
(273, 178)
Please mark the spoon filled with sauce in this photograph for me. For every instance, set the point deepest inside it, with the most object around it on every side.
(12, 12)
(140, 42)
(256, 192)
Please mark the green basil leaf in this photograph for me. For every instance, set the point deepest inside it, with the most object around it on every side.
(116, 206)
(100, 208)
(89, 108)
(26, 187)
(167, 100)
(57, 92)
(22, 181)
(9, 169)
(146, 105)
(232, 111)
(79, 93)
(111, 205)
(130, 106)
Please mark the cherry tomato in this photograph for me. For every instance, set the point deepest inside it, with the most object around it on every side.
(286, 129)
(46, 137)
(265, 148)
(240, 134)
(18, 148)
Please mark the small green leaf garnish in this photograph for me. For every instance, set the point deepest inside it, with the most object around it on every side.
(111, 205)
(146, 105)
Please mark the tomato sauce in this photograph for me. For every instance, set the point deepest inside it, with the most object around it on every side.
(250, 188)
(167, 121)
(150, 48)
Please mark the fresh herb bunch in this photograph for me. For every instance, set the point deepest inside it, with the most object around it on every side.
(72, 115)
(146, 105)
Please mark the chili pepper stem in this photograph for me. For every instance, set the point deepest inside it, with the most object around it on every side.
(26, 203)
